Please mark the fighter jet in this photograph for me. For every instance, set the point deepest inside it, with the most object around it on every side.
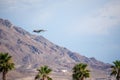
(38, 31)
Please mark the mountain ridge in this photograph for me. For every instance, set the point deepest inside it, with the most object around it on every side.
(30, 51)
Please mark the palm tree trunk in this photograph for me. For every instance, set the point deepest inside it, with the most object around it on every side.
(43, 78)
(4, 75)
(118, 75)
(82, 78)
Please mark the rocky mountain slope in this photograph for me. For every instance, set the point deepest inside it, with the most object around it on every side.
(31, 51)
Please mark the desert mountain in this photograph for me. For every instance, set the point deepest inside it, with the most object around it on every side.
(31, 51)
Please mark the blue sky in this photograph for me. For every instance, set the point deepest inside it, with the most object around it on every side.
(89, 27)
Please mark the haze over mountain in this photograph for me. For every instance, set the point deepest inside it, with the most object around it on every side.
(31, 51)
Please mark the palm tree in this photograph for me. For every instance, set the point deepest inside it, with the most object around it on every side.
(6, 64)
(43, 73)
(116, 69)
(80, 72)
